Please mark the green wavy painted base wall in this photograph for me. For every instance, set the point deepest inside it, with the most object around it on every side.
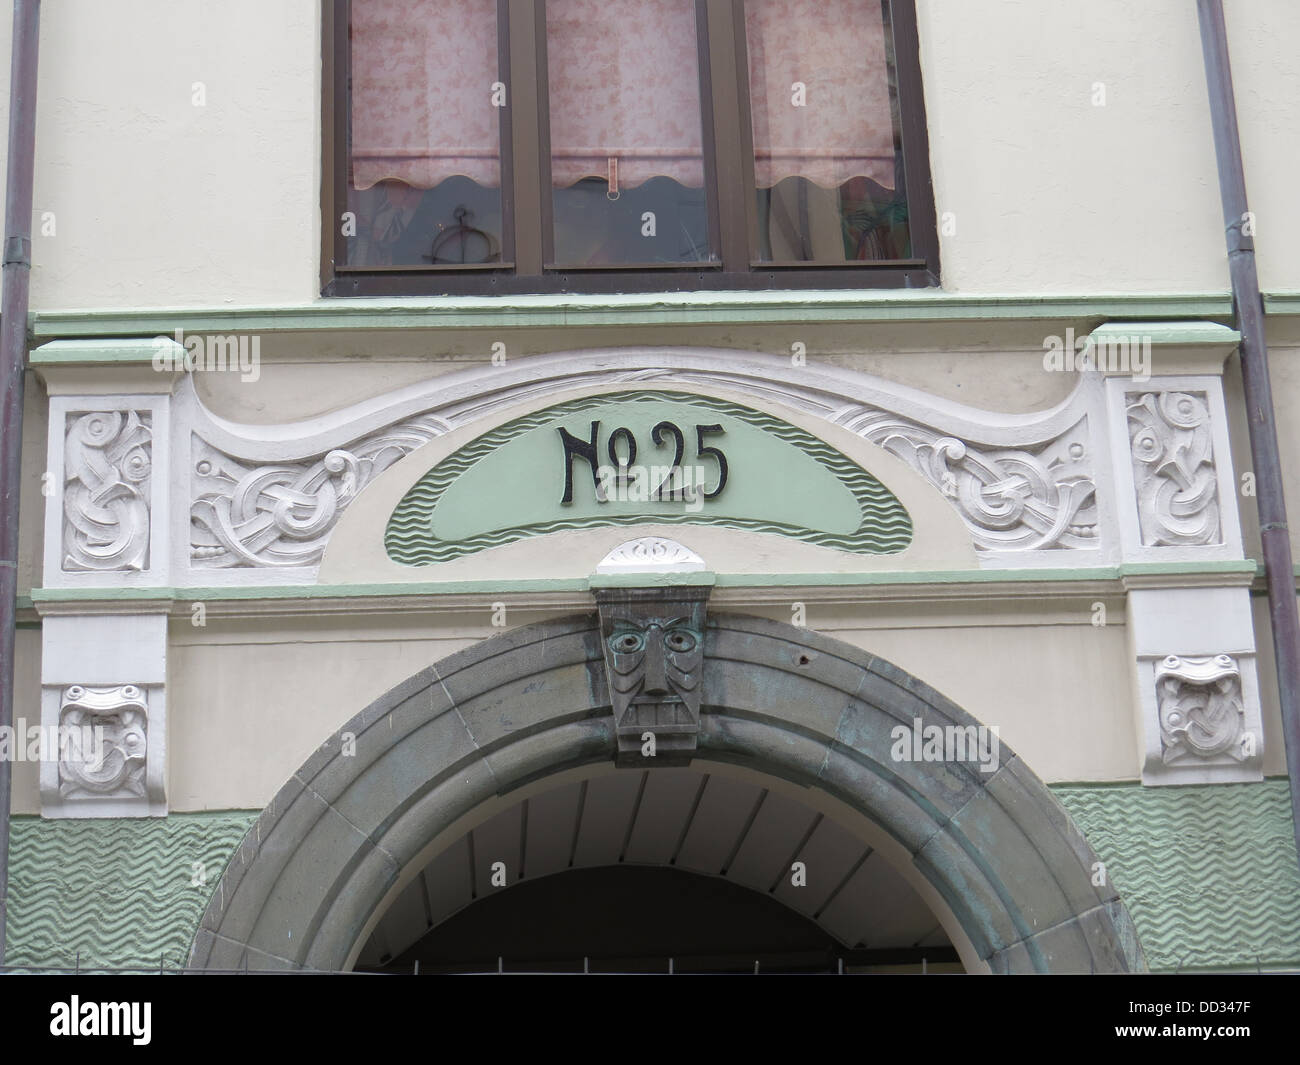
(1208, 873)
(113, 892)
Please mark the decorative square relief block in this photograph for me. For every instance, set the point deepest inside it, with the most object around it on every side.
(106, 733)
(1175, 484)
(1197, 694)
(1173, 468)
(103, 751)
(1201, 710)
(106, 520)
(1201, 719)
(103, 715)
(108, 459)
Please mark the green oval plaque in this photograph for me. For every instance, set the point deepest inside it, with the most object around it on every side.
(643, 457)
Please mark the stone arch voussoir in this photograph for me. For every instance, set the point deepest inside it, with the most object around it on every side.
(998, 847)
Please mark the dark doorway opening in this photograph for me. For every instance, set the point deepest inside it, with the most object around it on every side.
(637, 919)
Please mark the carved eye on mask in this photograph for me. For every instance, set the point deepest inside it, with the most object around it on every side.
(679, 641)
(627, 643)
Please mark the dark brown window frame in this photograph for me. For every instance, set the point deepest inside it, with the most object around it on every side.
(525, 170)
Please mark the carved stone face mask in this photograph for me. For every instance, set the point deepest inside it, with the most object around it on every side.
(654, 657)
(656, 662)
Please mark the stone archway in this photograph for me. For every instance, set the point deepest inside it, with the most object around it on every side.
(998, 848)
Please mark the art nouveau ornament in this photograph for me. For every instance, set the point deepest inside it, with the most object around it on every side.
(1201, 710)
(108, 460)
(1173, 469)
(281, 514)
(115, 763)
(1022, 484)
(1012, 499)
(650, 554)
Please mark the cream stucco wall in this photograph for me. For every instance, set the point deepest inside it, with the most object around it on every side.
(250, 698)
(159, 203)
(1049, 191)
(264, 691)
(995, 365)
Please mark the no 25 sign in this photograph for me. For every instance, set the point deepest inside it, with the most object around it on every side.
(623, 439)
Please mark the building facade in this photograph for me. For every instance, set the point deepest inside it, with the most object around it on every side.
(649, 484)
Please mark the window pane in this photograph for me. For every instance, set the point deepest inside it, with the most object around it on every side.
(828, 158)
(424, 135)
(627, 153)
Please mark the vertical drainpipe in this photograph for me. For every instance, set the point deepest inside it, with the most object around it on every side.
(13, 359)
(1248, 309)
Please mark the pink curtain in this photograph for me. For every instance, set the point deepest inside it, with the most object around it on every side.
(624, 79)
(422, 74)
(624, 91)
(836, 49)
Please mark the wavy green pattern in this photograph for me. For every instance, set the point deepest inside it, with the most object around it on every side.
(1208, 873)
(113, 892)
(885, 528)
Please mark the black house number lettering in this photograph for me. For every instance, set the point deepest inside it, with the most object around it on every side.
(621, 448)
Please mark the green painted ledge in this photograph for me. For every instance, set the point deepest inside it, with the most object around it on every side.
(1208, 872)
(1168, 333)
(1282, 302)
(817, 306)
(113, 892)
(582, 584)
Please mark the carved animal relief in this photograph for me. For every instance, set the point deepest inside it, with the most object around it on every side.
(1012, 499)
(1173, 469)
(108, 459)
(107, 748)
(282, 514)
(1201, 709)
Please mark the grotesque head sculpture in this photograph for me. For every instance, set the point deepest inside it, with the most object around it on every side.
(654, 654)
(103, 741)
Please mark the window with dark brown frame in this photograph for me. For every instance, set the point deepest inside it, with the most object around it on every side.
(514, 146)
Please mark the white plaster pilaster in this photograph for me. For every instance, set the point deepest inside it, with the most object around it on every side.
(110, 672)
(108, 525)
(107, 477)
(1196, 685)
(1171, 462)
(1193, 648)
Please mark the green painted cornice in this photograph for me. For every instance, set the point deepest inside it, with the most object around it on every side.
(1282, 303)
(1171, 333)
(1029, 584)
(628, 309)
